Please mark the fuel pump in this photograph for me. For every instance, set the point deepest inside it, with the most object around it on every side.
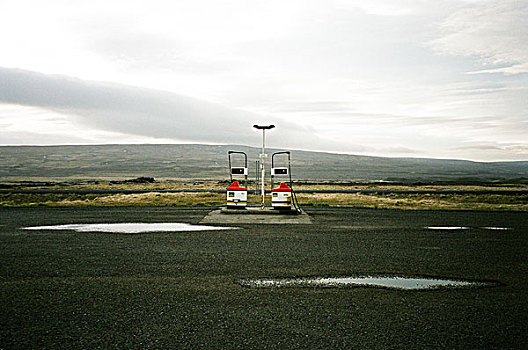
(238, 170)
(236, 195)
(281, 193)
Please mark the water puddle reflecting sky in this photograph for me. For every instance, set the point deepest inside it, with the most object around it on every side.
(449, 228)
(365, 281)
(130, 227)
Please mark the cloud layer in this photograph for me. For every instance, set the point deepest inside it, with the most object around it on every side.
(382, 77)
(495, 31)
(139, 111)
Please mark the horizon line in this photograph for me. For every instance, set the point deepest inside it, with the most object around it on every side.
(229, 144)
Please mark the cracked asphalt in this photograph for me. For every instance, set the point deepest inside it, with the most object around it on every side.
(66, 289)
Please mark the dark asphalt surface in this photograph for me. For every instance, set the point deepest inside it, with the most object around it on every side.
(68, 290)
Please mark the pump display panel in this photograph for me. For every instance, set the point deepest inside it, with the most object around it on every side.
(239, 171)
(279, 171)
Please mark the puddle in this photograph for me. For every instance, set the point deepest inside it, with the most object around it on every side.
(130, 227)
(447, 228)
(466, 228)
(366, 281)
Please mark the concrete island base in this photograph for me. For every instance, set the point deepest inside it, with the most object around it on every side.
(256, 215)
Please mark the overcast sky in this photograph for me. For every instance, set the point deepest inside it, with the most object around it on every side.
(397, 78)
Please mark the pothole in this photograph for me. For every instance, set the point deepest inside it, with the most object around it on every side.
(404, 283)
(130, 227)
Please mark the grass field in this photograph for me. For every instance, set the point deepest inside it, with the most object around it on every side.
(487, 199)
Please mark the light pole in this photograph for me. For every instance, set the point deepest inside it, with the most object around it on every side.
(262, 157)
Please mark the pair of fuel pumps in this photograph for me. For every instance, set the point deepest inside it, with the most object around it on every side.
(282, 198)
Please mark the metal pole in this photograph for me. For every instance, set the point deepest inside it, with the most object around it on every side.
(262, 158)
(262, 168)
(230, 173)
(257, 167)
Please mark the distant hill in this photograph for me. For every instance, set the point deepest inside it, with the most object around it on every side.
(210, 162)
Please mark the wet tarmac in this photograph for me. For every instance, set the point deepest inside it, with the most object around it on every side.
(63, 289)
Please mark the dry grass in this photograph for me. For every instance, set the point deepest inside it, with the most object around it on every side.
(221, 185)
(156, 186)
(487, 201)
(380, 187)
(149, 199)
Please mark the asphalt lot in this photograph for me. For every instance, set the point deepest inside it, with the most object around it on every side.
(64, 289)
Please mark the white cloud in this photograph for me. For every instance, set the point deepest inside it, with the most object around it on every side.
(61, 102)
(495, 31)
(22, 125)
(384, 7)
(376, 77)
(492, 150)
